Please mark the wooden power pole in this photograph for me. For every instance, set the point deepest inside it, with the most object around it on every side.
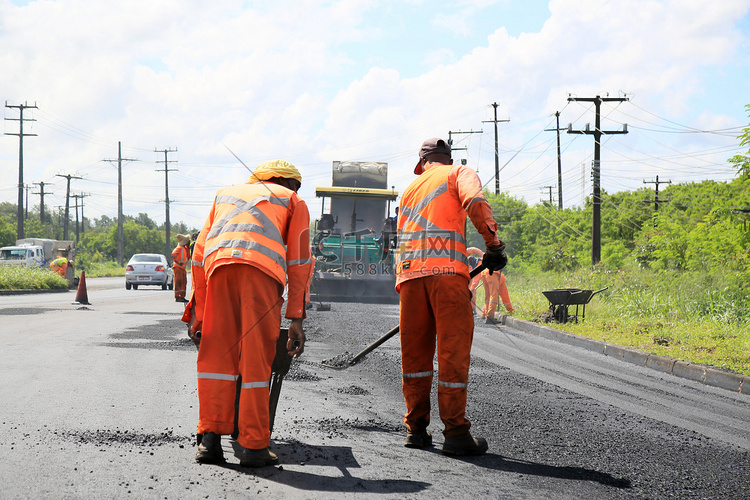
(596, 226)
(21, 135)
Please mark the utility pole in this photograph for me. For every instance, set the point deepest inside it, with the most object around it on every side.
(79, 197)
(67, 203)
(41, 194)
(551, 201)
(26, 215)
(656, 198)
(120, 236)
(497, 154)
(167, 237)
(450, 138)
(21, 135)
(559, 160)
(596, 229)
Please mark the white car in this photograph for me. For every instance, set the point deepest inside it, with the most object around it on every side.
(148, 269)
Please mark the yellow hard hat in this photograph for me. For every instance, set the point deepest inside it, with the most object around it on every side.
(274, 168)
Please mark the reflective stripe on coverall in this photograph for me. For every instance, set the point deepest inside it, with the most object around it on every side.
(255, 237)
(180, 256)
(433, 283)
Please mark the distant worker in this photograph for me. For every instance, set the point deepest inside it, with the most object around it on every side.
(255, 240)
(180, 257)
(494, 287)
(59, 265)
(475, 256)
(193, 238)
(432, 278)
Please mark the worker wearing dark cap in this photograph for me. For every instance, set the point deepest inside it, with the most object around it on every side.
(432, 278)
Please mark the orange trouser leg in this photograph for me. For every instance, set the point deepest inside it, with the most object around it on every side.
(180, 282)
(240, 326)
(436, 309)
(492, 293)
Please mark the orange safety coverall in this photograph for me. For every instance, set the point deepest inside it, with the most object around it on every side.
(494, 286)
(256, 236)
(59, 265)
(180, 256)
(432, 278)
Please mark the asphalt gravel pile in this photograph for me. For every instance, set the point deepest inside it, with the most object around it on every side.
(126, 436)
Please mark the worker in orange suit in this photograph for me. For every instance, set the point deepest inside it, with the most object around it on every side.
(180, 257)
(59, 265)
(475, 256)
(255, 240)
(494, 288)
(432, 278)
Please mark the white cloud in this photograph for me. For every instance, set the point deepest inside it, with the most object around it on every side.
(280, 80)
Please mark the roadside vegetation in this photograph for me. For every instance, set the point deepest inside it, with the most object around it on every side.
(20, 278)
(700, 318)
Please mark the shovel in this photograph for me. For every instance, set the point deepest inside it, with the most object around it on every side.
(337, 363)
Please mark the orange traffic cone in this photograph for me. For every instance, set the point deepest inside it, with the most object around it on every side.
(82, 297)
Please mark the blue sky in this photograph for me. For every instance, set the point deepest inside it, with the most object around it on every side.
(318, 81)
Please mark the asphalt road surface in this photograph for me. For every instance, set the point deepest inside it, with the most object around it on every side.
(100, 401)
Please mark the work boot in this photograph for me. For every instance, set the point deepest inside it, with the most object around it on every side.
(258, 458)
(418, 439)
(465, 446)
(209, 450)
(491, 321)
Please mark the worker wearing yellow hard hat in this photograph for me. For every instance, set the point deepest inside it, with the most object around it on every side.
(254, 241)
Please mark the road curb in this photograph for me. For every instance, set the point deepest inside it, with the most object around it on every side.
(30, 291)
(704, 374)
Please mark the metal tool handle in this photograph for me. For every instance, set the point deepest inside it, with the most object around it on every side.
(474, 272)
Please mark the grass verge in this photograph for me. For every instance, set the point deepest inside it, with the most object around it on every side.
(34, 278)
(700, 318)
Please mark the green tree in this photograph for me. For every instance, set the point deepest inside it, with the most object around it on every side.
(7, 233)
(742, 161)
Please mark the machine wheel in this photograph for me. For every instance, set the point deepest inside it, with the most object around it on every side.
(127, 286)
(164, 286)
(171, 286)
(135, 287)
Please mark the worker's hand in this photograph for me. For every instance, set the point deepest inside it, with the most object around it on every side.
(195, 336)
(296, 334)
(495, 258)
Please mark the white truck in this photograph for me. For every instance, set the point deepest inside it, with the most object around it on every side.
(36, 252)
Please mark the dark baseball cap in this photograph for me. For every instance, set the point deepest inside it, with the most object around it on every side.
(430, 147)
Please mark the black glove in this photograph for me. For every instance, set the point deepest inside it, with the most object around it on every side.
(495, 258)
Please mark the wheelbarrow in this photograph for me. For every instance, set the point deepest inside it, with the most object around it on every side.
(561, 298)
